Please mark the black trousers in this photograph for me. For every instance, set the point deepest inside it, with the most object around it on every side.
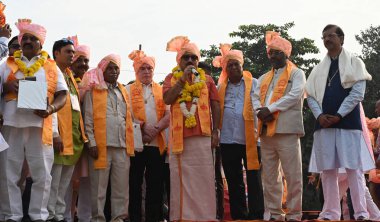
(149, 162)
(219, 185)
(232, 157)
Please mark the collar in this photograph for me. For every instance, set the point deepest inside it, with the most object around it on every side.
(280, 70)
(237, 84)
(111, 86)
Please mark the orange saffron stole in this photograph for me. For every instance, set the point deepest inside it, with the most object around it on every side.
(65, 121)
(138, 107)
(177, 124)
(278, 92)
(51, 74)
(99, 101)
(249, 120)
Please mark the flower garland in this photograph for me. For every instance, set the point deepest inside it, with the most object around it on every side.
(190, 93)
(31, 70)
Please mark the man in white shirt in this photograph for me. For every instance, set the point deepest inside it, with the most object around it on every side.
(28, 132)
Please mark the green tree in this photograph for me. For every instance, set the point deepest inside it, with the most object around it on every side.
(369, 39)
(251, 40)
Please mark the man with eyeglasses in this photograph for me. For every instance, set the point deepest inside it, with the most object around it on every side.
(70, 139)
(150, 111)
(335, 88)
(193, 98)
(279, 96)
(29, 133)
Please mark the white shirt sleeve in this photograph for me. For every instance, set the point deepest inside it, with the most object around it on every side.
(61, 83)
(3, 47)
(293, 96)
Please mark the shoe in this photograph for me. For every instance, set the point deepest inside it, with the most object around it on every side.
(361, 218)
(325, 218)
(272, 219)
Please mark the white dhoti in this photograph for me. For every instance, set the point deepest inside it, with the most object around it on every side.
(26, 143)
(192, 181)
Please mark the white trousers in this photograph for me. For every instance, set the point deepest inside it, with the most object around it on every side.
(84, 201)
(331, 207)
(118, 164)
(26, 143)
(282, 150)
(61, 178)
(373, 210)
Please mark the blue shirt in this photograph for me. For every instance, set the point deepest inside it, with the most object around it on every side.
(233, 128)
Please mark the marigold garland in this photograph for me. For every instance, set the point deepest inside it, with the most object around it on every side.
(190, 93)
(31, 70)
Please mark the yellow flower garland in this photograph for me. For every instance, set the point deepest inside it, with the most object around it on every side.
(31, 70)
(190, 93)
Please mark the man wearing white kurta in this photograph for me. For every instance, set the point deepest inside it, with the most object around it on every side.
(29, 132)
(335, 88)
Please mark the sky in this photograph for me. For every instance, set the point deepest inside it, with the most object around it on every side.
(119, 26)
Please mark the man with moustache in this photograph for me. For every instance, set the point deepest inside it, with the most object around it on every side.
(68, 144)
(194, 100)
(279, 96)
(29, 132)
(238, 135)
(109, 128)
(149, 109)
(335, 88)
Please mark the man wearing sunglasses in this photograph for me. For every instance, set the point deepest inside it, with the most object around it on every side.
(69, 141)
(335, 88)
(29, 133)
(194, 100)
(279, 96)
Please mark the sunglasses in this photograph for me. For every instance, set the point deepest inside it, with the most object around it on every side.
(192, 57)
(14, 46)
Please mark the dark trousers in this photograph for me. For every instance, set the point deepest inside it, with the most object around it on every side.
(219, 185)
(150, 162)
(232, 157)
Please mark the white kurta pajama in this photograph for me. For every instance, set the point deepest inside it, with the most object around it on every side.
(335, 148)
(23, 132)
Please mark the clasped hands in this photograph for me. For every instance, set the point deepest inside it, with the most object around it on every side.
(264, 114)
(327, 120)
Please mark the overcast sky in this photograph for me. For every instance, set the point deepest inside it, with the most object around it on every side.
(119, 26)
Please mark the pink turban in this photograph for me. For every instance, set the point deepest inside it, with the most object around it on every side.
(139, 58)
(182, 45)
(227, 54)
(94, 78)
(275, 41)
(26, 26)
(80, 50)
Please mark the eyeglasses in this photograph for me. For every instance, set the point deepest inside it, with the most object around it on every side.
(142, 68)
(275, 52)
(331, 35)
(188, 56)
(30, 37)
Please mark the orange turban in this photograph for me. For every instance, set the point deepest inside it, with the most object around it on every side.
(80, 50)
(275, 41)
(182, 45)
(26, 26)
(227, 54)
(139, 58)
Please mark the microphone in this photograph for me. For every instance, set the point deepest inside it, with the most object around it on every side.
(195, 72)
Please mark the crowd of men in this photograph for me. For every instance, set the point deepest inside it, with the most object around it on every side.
(96, 132)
